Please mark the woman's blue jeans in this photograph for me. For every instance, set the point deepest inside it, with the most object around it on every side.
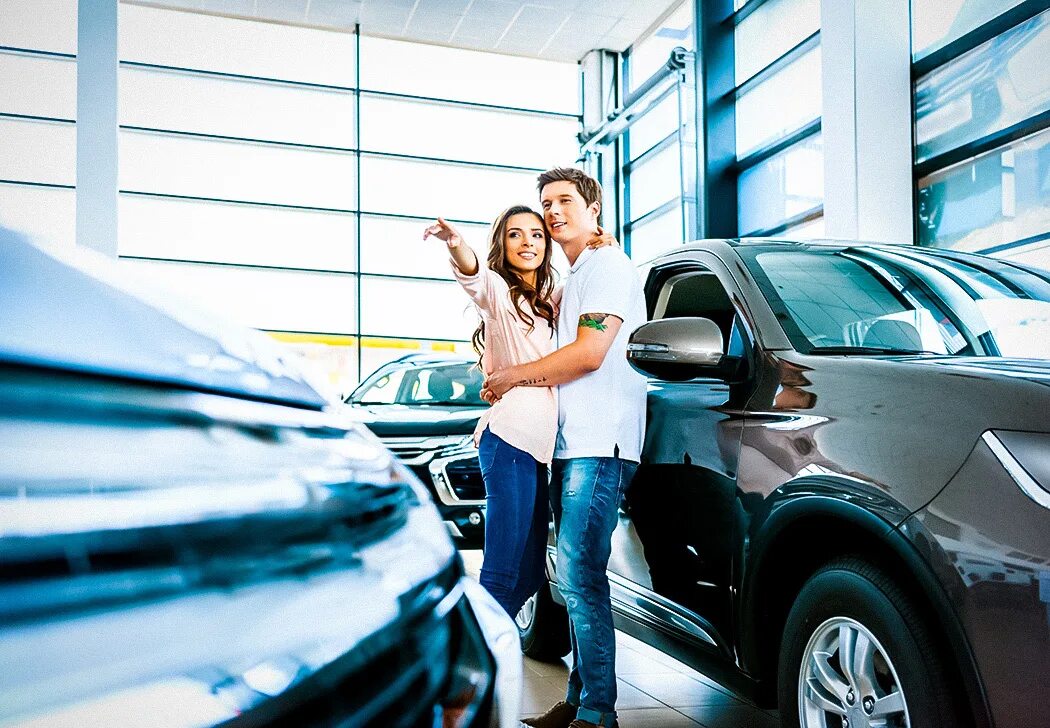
(585, 496)
(516, 519)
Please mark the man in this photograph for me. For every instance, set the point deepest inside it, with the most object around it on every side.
(601, 420)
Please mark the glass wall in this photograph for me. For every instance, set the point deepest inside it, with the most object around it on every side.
(982, 112)
(937, 23)
(658, 146)
(38, 111)
(650, 52)
(779, 159)
(284, 175)
(785, 187)
(757, 166)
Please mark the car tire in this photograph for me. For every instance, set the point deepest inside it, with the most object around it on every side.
(543, 626)
(898, 672)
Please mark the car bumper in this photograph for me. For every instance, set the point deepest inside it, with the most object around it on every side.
(464, 517)
(466, 524)
(501, 636)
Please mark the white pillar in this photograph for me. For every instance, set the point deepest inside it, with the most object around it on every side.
(97, 125)
(867, 119)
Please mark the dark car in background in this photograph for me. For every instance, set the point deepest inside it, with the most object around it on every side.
(843, 505)
(191, 536)
(424, 407)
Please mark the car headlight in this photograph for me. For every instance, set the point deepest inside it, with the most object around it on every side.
(1026, 457)
(501, 634)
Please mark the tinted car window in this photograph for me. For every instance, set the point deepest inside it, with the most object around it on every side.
(382, 388)
(448, 384)
(878, 299)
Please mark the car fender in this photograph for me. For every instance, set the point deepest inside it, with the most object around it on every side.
(859, 519)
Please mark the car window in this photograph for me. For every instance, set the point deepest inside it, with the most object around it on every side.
(831, 300)
(880, 299)
(383, 390)
(444, 384)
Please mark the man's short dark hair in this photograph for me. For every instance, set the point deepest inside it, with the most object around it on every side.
(586, 185)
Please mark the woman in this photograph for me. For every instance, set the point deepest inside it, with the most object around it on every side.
(515, 295)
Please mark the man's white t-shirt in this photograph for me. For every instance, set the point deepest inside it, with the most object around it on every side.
(602, 414)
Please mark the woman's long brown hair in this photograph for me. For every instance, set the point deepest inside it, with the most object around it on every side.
(539, 296)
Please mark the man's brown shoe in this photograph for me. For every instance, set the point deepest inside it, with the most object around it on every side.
(560, 716)
(587, 724)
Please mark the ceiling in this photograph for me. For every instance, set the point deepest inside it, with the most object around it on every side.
(560, 30)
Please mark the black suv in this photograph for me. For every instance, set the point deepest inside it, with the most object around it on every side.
(424, 407)
(189, 535)
(843, 504)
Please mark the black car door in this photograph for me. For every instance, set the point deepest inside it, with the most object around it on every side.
(674, 549)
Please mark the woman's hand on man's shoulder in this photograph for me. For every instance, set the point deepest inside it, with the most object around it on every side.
(602, 239)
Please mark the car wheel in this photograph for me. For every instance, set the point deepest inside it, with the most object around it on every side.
(543, 626)
(856, 654)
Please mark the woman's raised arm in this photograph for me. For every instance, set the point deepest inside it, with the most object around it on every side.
(462, 255)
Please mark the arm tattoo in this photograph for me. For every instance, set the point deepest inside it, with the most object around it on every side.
(531, 382)
(594, 321)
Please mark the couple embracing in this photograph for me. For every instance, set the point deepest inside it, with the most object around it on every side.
(562, 393)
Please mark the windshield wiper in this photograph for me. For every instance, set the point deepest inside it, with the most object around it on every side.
(453, 403)
(832, 350)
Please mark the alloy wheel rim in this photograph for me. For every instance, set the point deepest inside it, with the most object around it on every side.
(847, 680)
(527, 613)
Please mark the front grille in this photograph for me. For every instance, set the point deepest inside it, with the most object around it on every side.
(77, 570)
(423, 474)
(400, 686)
(407, 452)
(464, 477)
(421, 450)
(395, 678)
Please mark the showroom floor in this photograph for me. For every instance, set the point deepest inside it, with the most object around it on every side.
(655, 691)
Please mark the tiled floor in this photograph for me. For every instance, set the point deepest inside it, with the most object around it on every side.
(655, 691)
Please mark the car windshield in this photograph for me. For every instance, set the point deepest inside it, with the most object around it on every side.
(869, 300)
(453, 385)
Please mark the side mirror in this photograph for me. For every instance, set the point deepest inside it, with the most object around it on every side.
(677, 349)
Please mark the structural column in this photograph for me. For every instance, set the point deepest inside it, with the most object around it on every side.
(866, 120)
(97, 65)
(600, 97)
